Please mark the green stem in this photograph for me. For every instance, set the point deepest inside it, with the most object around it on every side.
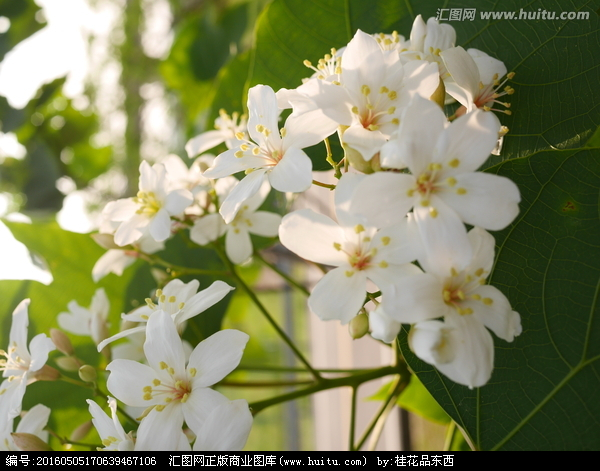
(324, 185)
(450, 435)
(302, 370)
(323, 385)
(263, 384)
(352, 419)
(264, 311)
(180, 270)
(285, 276)
(76, 382)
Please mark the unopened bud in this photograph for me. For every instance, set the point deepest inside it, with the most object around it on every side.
(106, 241)
(354, 157)
(62, 342)
(359, 326)
(160, 276)
(46, 373)
(68, 363)
(80, 432)
(88, 374)
(29, 442)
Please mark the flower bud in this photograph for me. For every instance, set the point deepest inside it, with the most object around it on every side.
(359, 326)
(68, 363)
(46, 373)
(62, 342)
(29, 442)
(88, 374)
(80, 432)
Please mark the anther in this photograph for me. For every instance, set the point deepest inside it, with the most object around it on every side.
(454, 163)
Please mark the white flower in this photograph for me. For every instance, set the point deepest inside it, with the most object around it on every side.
(443, 189)
(173, 391)
(474, 79)
(248, 220)
(33, 422)
(460, 346)
(150, 211)
(358, 251)
(179, 300)
(111, 431)
(373, 90)
(274, 155)
(226, 130)
(21, 364)
(92, 321)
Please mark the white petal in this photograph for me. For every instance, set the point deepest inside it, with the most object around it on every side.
(177, 201)
(263, 110)
(40, 347)
(422, 122)
(417, 298)
(147, 177)
(382, 198)
(201, 301)
(338, 296)
(490, 201)
(293, 172)
(364, 141)
(383, 327)
(226, 428)
(18, 327)
(463, 70)
(35, 420)
(203, 142)
(497, 315)
(103, 423)
(160, 430)
(312, 237)
(160, 225)
(238, 245)
(163, 344)
(444, 238)
(469, 139)
(201, 402)
(217, 356)
(226, 164)
(120, 335)
(207, 229)
(247, 187)
(439, 36)
(126, 382)
(488, 66)
(77, 320)
(265, 224)
(131, 230)
(483, 244)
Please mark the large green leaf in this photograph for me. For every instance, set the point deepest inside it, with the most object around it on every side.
(545, 389)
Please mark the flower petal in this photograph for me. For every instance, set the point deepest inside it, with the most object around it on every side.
(265, 224)
(163, 344)
(238, 245)
(207, 229)
(160, 430)
(338, 296)
(201, 301)
(126, 382)
(217, 356)
(203, 142)
(312, 236)
(226, 428)
(488, 201)
(495, 313)
(247, 187)
(293, 172)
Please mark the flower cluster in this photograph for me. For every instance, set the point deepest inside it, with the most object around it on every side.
(407, 189)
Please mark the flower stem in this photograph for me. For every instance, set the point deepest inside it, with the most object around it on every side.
(285, 276)
(264, 311)
(352, 419)
(324, 185)
(323, 385)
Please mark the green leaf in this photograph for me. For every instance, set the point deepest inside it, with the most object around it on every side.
(544, 391)
(415, 398)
